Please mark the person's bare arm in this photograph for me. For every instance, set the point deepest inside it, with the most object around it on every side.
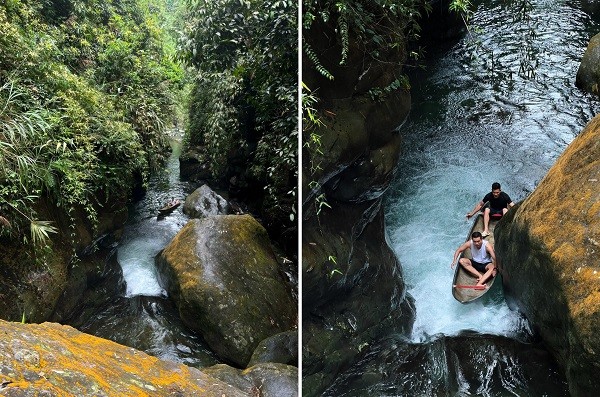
(475, 209)
(457, 253)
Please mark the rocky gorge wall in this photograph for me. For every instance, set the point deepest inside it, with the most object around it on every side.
(353, 291)
(248, 304)
(548, 251)
(48, 284)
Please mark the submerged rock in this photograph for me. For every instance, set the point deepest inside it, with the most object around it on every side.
(226, 282)
(549, 249)
(55, 360)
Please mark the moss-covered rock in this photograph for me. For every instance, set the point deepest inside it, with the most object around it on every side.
(588, 75)
(227, 284)
(549, 249)
(54, 360)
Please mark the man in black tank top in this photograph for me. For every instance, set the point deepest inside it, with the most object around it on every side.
(499, 203)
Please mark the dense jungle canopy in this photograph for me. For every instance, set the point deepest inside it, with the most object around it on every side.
(89, 87)
(86, 91)
(244, 103)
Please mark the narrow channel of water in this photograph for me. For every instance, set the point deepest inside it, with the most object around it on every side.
(144, 317)
(478, 118)
(146, 233)
(498, 105)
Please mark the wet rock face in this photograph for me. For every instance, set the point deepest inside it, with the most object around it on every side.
(588, 75)
(54, 360)
(549, 249)
(227, 284)
(353, 291)
(205, 202)
(469, 364)
(38, 290)
(265, 380)
(280, 348)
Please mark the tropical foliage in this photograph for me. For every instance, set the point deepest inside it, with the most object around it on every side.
(243, 111)
(364, 22)
(85, 89)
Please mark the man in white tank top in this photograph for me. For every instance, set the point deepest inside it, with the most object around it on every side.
(483, 264)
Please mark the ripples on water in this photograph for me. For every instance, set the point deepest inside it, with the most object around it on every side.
(479, 117)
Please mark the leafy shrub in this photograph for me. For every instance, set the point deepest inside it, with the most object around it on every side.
(244, 105)
(85, 89)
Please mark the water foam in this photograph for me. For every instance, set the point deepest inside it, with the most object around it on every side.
(426, 223)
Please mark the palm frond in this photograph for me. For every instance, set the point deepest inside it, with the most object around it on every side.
(40, 230)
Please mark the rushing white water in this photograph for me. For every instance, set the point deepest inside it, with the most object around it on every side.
(146, 234)
(136, 257)
(476, 120)
(426, 225)
(145, 318)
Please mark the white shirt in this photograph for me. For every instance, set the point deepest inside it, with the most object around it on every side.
(480, 255)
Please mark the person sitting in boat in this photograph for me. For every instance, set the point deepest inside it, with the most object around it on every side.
(483, 264)
(499, 203)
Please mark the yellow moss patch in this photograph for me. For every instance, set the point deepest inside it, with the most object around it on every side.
(565, 253)
(72, 363)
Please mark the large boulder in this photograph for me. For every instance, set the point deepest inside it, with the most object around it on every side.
(549, 249)
(588, 75)
(205, 202)
(227, 284)
(55, 360)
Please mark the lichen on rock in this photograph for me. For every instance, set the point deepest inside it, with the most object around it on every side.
(50, 359)
(548, 251)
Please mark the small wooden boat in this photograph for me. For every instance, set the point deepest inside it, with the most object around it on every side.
(169, 207)
(464, 286)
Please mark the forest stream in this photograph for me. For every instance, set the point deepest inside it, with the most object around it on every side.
(142, 316)
(500, 104)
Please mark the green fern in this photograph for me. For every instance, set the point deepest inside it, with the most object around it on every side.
(40, 230)
(344, 34)
(310, 53)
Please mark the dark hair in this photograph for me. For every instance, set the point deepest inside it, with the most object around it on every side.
(476, 234)
(495, 186)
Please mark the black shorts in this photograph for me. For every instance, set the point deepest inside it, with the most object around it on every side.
(479, 266)
(496, 211)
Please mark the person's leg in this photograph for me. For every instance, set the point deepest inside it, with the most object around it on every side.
(489, 271)
(466, 264)
(486, 221)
